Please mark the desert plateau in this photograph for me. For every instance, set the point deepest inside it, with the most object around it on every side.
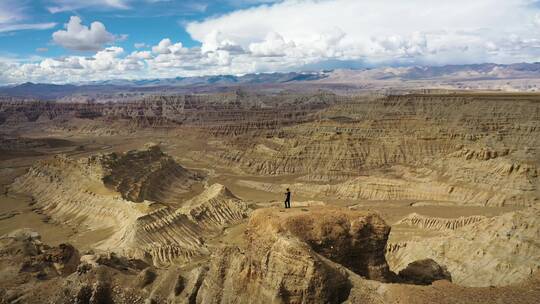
(413, 198)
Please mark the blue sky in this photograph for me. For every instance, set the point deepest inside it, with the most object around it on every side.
(72, 41)
(143, 21)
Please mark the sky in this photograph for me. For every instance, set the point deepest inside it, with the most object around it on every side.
(70, 41)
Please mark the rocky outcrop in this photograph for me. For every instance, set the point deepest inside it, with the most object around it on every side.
(289, 272)
(354, 239)
(424, 272)
(496, 251)
(162, 236)
(43, 261)
(277, 265)
(295, 257)
(289, 257)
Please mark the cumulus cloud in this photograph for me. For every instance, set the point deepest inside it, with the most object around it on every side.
(165, 46)
(215, 41)
(273, 46)
(108, 63)
(293, 34)
(141, 55)
(406, 46)
(423, 31)
(83, 38)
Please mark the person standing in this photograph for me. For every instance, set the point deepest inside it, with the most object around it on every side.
(288, 199)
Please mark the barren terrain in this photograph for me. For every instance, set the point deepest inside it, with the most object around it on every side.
(415, 198)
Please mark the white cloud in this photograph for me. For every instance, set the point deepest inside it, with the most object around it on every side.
(59, 6)
(82, 38)
(406, 46)
(165, 46)
(140, 45)
(141, 55)
(273, 45)
(26, 26)
(13, 16)
(105, 64)
(423, 31)
(214, 41)
(162, 47)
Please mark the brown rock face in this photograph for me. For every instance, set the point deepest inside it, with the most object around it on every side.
(140, 175)
(303, 277)
(285, 271)
(353, 239)
(291, 257)
(424, 272)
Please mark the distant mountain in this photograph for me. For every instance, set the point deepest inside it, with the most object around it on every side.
(452, 76)
(485, 71)
(28, 89)
(54, 91)
(178, 84)
(269, 78)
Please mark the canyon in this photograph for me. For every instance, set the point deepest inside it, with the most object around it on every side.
(178, 198)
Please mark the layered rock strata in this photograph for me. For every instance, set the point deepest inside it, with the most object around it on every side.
(438, 223)
(496, 251)
(77, 192)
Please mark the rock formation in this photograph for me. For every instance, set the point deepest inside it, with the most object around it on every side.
(494, 251)
(145, 175)
(39, 259)
(354, 239)
(105, 192)
(409, 186)
(291, 257)
(424, 272)
(163, 233)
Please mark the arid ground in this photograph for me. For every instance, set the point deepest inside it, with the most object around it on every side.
(419, 198)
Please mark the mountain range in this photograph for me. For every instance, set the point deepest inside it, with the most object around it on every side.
(488, 76)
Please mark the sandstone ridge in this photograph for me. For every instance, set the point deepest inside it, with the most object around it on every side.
(99, 193)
